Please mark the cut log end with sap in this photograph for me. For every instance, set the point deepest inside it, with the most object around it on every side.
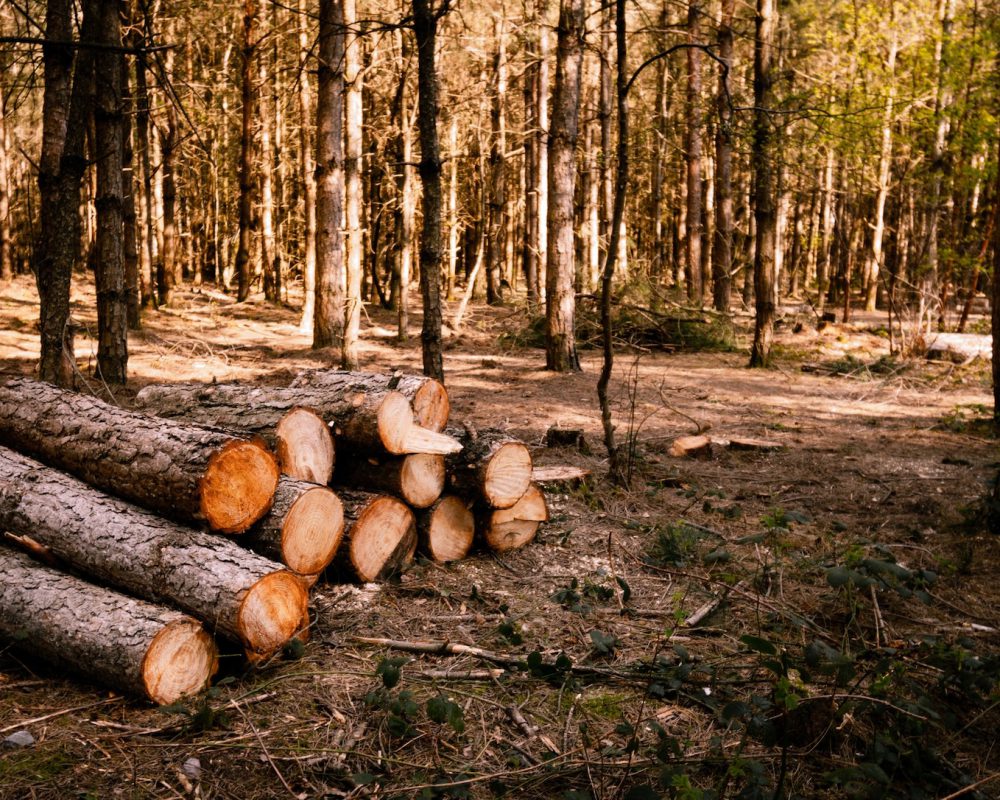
(493, 467)
(421, 479)
(383, 539)
(271, 614)
(514, 527)
(508, 475)
(312, 530)
(447, 529)
(238, 486)
(304, 446)
(431, 406)
(400, 434)
(180, 662)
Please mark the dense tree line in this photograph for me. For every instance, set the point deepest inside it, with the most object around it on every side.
(335, 152)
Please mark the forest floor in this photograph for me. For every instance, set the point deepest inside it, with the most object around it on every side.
(850, 646)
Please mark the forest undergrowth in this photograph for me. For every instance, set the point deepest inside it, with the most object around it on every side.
(814, 619)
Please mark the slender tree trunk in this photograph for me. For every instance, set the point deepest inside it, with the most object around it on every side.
(328, 326)
(496, 239)
(6, 257)
(243, 266)
(308, 178)
(542, 152)
(147, 251)
(452, 207)
(112, 298)
(722, 251)
(827, 216)
(129, 216)
(529, 254)
(764, 189)
(265, 173)
(425, 28)
(695, 289)
(170, 271)
(560, 301)
(657, 204)
(604, 102)
(353, 83)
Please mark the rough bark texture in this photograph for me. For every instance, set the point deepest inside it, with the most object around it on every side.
(722, 249)
(428, 397)
(127, 644)
(243, 269)
(492, 467)
(308, 178)
(328, 328)
(239, 594)
(514, 527)
(425, 29)
(297, 434)
(353, 80)
(184, 471)
(381, 536)
(447, 529)
(560, 339)
(695, 289)
(302, 530)
(417, 480)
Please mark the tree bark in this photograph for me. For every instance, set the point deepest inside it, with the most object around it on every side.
(239, 594)
(492, 467)
(497, 190)
(6, 256)
(722, 251)
(245, 204)
(764, 189)
(298, 435)
(425, 29)
(308, 179)
(302, 530)
(127, 644)
(188, 472)
(112, 295)
(560, 300)
(446, 530)
(353, 80)
(417, 479)
(130, 242)
(695, 289)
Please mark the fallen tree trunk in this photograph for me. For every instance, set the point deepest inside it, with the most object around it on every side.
(447, 529)
(239, 594)
(511, 528)
(427, 396)
(185, 471)
(492, 466)
(298, 435)
(381, 537)
(127, 644)
(417, 479)
(302, 530)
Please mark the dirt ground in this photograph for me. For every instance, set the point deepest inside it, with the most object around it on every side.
(849, 647)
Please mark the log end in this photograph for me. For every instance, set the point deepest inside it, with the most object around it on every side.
(180, 661)
(449, 530)
(271, 614)
(422, 479)
(383, 539)
(508, 475)
(514, 527)
(431, 406)
(305, 446)
(238, 486)
(312, 531)
(394, 419)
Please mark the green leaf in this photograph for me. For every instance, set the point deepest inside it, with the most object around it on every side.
(389, 670)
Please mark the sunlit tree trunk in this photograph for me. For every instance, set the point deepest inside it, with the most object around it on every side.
(764, 188)
(147, 250)
(696, 291)
(112, 306)
(307, 177)
(243, 267)
(827, 219)
(129, 217)
(722, 250)
(560, 338)
(265, 171)
(425, 28)
(453, 207)
(353, 199)
(328, 326)
(542, 151)
(6, 257)
(496, 243)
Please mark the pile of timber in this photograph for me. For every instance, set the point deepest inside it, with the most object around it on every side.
(211, 510)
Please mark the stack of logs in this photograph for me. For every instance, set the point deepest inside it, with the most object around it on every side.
(342, 474)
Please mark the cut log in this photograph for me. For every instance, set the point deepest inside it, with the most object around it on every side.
(570, 476)
(381, 536)
(446, 529)
(361, 416)
(127, 644)
(237, 593)
(302, 530)
(417, 480)
(185, 471)
(493, 467)
(428, 398)
(298, 435)
(511, 528)
(690, 447)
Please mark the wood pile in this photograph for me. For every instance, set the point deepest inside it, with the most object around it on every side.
(213, 509)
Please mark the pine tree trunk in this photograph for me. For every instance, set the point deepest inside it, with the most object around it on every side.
(265, 172)
(722, 251)
(542, 152)
(695, 289)
(127, 644)
(148, 246)
(188, 472)
(239, 594)
(244, 269)
(6, 257)
(497, 192)
(560, 337)
(308, 179)
(353, 81)
(763, 158)
(130, 242)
